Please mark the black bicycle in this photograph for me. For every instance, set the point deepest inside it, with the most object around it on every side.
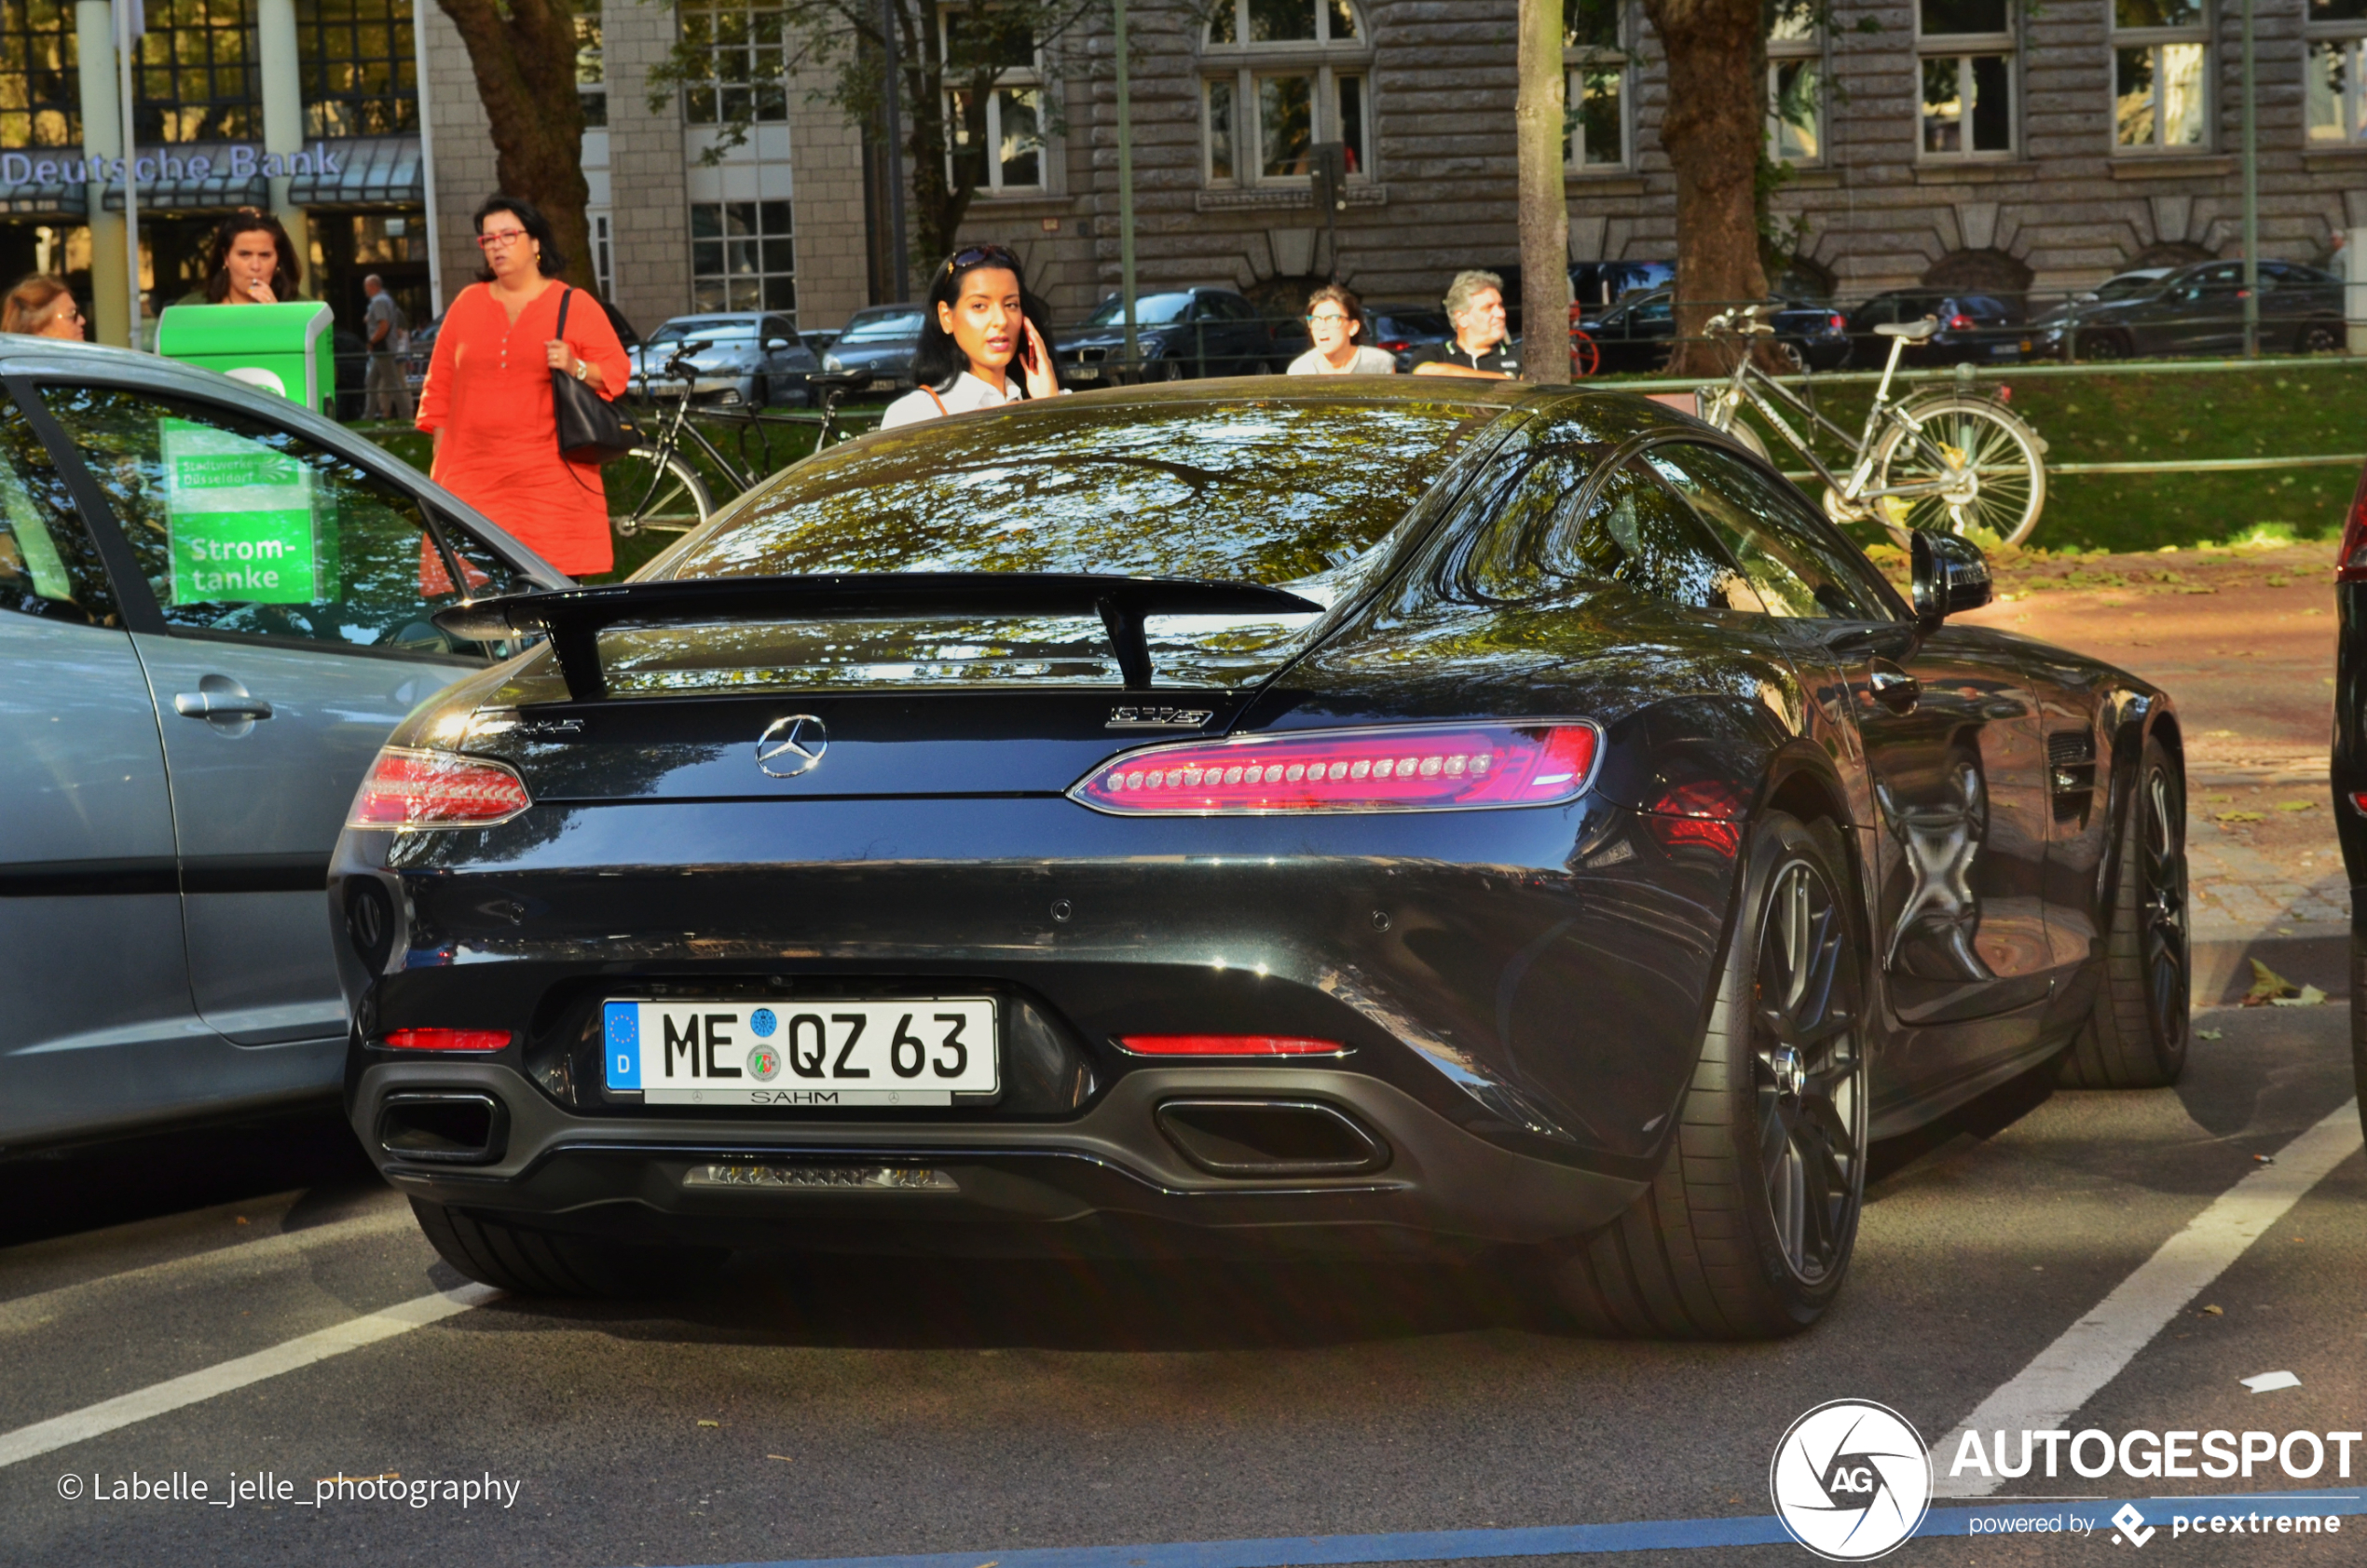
(659, 488)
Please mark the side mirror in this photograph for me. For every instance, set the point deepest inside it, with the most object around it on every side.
(775, 344)
(1951, 577)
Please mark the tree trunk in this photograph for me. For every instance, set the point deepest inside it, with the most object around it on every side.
(523, 53)
(1715, 124)
(1545, 230)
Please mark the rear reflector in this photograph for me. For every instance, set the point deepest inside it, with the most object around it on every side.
(1228, 1046)
(409, 790)
(1409, 768)
(447, 1039)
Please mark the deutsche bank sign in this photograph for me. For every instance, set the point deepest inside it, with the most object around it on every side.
(237, 160)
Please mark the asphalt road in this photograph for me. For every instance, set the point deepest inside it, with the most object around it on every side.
(829, 1408)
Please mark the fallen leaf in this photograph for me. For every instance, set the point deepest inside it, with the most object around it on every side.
(782, 1457)
(2296, 805)
(2242, 816)
(2267, 986)
(2210, 1033)
(710, 1424)
(2310, 997)
(2213, 1311)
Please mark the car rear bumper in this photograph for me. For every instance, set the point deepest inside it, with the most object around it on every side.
(1112, 1179)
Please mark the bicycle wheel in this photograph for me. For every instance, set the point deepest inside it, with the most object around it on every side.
(646, 491)
(1586, 357)
(1985, 462)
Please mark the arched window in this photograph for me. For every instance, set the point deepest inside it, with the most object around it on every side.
(1278, 76)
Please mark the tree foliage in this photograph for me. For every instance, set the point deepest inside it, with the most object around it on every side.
(950, 63)
(524, 55)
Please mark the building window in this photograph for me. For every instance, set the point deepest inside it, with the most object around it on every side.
(2161, 76)
(744, 81)
(1595, 51)
(603, 253)
(1795, 83)
(1966, 49)
(40, 90)
(359, 68)
(591, 72)
(741, 257)
(197, 76)
(1012, 120)
(2337, 47)
(1283, 76)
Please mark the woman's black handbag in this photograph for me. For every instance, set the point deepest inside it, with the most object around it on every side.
(591, 429)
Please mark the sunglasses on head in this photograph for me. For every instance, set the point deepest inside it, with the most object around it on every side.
(975, 254)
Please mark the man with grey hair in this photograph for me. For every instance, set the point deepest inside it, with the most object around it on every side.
(1475, 307)
(385, 394)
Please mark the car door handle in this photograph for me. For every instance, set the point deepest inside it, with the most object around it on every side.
(1893, 687)
(221, 698)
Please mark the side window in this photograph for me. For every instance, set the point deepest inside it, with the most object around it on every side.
(49, 567)
(1782, 547)
(1635, 532)
(242, 526)
(1513, 556)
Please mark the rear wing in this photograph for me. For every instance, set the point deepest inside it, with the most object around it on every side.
(574, 617)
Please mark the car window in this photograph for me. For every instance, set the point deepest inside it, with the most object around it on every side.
(49, 565)
(1536, 542)
(1150, 310)
(1798, 572)
(886, 327)
(1659, 307)
(242, 526)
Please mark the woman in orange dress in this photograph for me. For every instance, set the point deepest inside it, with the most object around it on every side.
(488, 395)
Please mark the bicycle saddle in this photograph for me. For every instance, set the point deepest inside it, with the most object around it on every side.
(839, 380)
(1914, 332)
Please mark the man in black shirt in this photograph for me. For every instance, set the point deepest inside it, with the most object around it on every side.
(1475, 305)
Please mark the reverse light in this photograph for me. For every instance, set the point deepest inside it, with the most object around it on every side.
(1227, 1046)
(410, 790)
(1410, 768)
(2350, 561)
(447, 1039)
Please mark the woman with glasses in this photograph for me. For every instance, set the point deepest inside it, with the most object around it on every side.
(982, 341)
(250, 261)
(488, 395)
(42, 307)
(1334, 317)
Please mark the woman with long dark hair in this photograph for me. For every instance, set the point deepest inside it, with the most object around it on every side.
(250, 261)
(983, 340)
(487, 396)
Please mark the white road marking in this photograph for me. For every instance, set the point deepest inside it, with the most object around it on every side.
(44, 1437)
(2065, 1376)
(31, 1312)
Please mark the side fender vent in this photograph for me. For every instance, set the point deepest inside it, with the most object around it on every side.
(2071, 772)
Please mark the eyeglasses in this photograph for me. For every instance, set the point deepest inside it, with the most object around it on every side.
(1321, 316)
(495, 238)
(978, 253)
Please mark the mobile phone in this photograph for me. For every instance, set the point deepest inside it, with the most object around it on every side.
(1027, 346)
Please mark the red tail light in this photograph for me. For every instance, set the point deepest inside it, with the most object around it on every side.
(1411, 768)
(2350, 561)
(1961, 323)
(447, 1039)
(1840, 323)
(1395, 345)
(1227, 1046)
(407, 789)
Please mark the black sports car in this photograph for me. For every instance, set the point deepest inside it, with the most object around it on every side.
(1250, 814)
(2350, 761)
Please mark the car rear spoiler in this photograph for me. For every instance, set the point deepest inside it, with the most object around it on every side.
(574, 616)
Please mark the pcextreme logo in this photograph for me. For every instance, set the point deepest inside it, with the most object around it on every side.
(1850, 1481)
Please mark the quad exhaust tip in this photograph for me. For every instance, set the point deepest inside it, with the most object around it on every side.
(444, 1126)
(1271, 1138)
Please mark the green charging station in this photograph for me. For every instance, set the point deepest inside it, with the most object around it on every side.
(283, 349)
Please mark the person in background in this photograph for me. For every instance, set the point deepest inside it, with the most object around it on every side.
(980, 325)
(385, 328)
(1334, 317)
(42, 307)
(487, 396)
(250, 261)
(1475, 307)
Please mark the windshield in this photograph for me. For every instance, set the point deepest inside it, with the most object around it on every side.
(874, 329)
(714, 330)
(1150, 310)
(2127, 288)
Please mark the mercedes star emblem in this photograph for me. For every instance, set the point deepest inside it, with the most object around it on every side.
(792, 745)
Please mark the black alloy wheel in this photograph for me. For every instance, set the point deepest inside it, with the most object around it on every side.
(1747, 1231)
(2318, 338)
(2136, 1035)
(2103, 346)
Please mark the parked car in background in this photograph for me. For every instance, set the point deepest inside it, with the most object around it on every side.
(1637, 332)
(1180, 334)
(880, 339)
(2199, 309)
(1404, 330)
(1596, 284)
(201, 678)
(819, 339)
(1974, 328)
(752, 359)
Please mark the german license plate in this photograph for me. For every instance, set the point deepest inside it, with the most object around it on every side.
(905, 1051)
(1084, 372)
(2008, 348)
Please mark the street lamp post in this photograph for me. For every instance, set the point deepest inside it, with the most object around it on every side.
(903, 256)
(131, 21)
(1125, 183)
(2251, 197)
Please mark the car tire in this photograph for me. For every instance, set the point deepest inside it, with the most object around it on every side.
(2318, 338)
(530, 1263)
(1702, 1252)
(2136, 1035)
(2104, 347)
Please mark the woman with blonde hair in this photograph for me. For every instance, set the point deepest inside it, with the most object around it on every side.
(1334, 317)
(42, 307)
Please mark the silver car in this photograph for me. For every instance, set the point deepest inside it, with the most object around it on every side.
(214, 607)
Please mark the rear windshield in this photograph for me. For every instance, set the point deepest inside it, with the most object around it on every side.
(1260, 490)
(900, 323)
